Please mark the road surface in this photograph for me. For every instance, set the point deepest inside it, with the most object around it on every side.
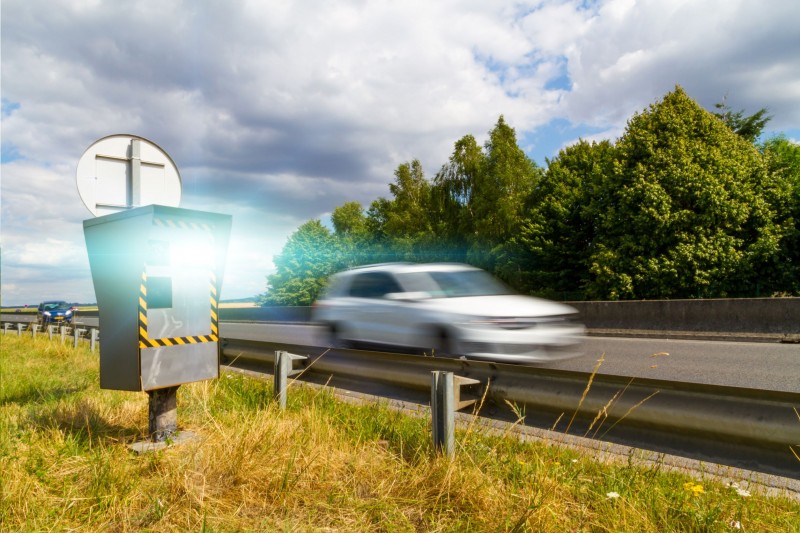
(765, 366)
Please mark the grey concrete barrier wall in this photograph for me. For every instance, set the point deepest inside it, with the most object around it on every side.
(746, 315)
(750, 315)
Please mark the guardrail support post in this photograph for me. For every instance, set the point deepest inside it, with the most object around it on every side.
(63, 330)
(34, 329)
(93, 339)
(445, 401)
(76, 333)
(283, 369)
(5, 327)
(19, 329)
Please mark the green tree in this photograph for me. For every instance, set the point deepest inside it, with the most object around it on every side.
(479, 195)
(507, 178)
(686, 214)
(782, 158)
(747, 127)
(354, 245)
(349, 221)
(553, 245)
(307, 259)
(408, 216)
(401, 226)
(454, 188)
(377, 216)
(683, 205)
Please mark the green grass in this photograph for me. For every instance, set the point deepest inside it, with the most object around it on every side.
(321, 465)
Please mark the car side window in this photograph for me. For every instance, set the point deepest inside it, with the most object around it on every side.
(373, 285)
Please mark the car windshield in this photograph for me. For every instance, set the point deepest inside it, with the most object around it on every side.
(53, 306)
(460, 283)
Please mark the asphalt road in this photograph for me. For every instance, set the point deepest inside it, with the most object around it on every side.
(755, 365)
(764, 366)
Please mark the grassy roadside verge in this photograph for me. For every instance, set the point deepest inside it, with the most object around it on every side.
(322, 465)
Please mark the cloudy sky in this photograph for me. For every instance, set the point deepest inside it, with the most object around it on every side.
(276, 112)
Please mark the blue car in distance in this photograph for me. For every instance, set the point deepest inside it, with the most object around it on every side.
(55, 312)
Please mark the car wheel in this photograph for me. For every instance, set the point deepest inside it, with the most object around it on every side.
(445, 345)
(334, 337)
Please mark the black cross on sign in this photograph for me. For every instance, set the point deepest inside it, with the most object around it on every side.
(133, 173)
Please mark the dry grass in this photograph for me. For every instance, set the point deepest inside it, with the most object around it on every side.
(321, 465)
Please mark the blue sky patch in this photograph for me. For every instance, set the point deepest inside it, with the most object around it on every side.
(793, 134)
(492, 65)
(546, 141)
(8, 107)
(8, 153)
(562, 82)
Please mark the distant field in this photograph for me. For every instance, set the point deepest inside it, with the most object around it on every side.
(18, 309)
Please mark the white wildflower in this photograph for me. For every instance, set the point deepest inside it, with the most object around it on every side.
(612, 495)
(743, 493)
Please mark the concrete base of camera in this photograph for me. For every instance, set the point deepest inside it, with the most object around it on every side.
(146, 446)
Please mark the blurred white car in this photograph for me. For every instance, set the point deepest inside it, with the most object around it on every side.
(447, 309)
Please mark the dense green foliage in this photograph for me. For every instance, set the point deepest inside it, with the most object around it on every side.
(749, 128)
(685, 204)
(307, 259)
(688, 211)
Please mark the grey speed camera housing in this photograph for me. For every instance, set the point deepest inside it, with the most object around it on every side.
(157, 274)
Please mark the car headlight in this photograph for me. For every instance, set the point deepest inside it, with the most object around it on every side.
(46, 313)
(68, 313)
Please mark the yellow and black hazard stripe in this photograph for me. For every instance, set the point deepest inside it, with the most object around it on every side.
(145, 342)
(212, 283)
(176, 341)
(182, 224)
(143, 310)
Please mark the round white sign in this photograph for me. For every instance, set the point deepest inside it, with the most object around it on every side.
(123, 171)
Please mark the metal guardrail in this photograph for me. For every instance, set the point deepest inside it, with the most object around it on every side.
(76, 332)
(741, 427)
(88, 319)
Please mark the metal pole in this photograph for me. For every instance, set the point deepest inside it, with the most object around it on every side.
(443, 412)
(76, 334)
(162, 413)
(34, 327)
(93, 341)
(63, 333)
(136, 173)
(19, 329)
(50, 332)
